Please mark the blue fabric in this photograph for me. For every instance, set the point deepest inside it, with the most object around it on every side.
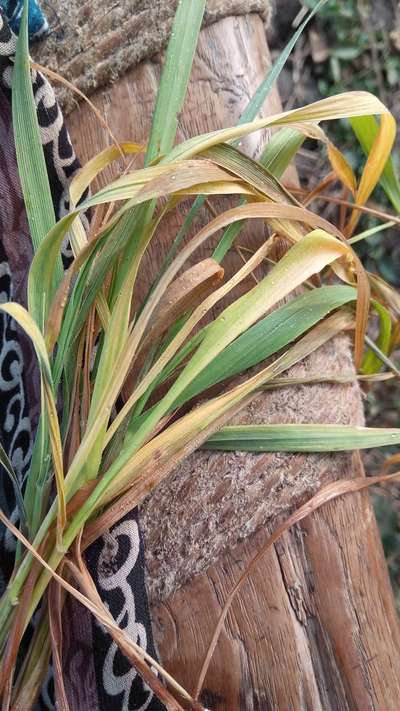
(37, 22)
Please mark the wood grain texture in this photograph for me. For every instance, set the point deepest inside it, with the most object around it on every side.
(315, 626)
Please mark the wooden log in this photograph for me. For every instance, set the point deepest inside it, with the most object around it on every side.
(315, 626)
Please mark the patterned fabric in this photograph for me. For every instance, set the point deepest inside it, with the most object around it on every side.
(97, 676)
(117, 564)
(38, 26)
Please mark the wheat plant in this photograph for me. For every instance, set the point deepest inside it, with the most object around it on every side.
(97, 454)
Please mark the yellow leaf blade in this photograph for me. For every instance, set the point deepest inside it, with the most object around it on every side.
(93, 167)
(377, 159)
(342, 168)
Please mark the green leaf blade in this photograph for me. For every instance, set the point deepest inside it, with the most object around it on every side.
(28, 145)
(266, 85)
(270, 335)
(301, 438)
(175, 76)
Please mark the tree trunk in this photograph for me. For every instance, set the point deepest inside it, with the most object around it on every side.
(315, 625)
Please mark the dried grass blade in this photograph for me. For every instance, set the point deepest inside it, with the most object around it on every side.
(251, 172)
(360, 208)
(55, 602)
(382, 357)
(342, 168)
(57, 309)
(34, 669)
(328, 378)
(93, 167)
(9, 658)
(182, 295)
(57, 77)
(346, 105)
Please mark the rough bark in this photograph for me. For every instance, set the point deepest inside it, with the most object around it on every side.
(93, 43)
(315, 626)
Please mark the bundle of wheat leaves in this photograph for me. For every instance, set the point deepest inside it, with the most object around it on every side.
(92, 460)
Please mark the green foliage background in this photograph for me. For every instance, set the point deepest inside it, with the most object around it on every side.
(362, 42)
